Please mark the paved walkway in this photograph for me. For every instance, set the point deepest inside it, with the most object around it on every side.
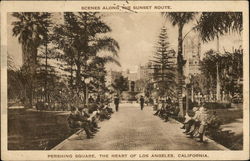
(133, 129)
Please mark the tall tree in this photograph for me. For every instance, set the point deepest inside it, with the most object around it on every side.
(163, 65)
(30, 28)
(179, 19)
(46, 76)
(230, 66)
(209, 69)
(213, 24)
(15, 81)
(82, 37)
(98, 71)
(120, 84)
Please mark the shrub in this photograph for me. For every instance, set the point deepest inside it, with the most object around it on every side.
(190, 105)
(132, 99)
(217, 105)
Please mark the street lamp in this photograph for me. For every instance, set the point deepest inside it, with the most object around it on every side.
(187, 81)
(86, 81)
(42, 94)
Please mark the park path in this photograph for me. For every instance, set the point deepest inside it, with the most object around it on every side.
(133, 129)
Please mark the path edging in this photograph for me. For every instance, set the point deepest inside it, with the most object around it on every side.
(58, 146)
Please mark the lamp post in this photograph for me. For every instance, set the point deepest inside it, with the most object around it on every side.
(42, 94)
(60, 101)
(86, 81)
(187, 81)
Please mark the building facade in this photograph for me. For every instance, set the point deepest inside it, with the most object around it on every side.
(192, 51)
(111, 76)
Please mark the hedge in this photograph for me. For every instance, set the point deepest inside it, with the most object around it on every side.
(217, 105)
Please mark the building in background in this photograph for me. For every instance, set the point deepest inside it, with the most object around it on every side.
(143, 72)
(192, 51)
(111, 76)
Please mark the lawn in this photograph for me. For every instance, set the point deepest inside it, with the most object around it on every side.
(32, 130)
(227, 116)
(232, 128)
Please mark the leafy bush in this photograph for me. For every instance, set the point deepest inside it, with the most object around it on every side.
(216, 105)
(132, 99)
(190, 104)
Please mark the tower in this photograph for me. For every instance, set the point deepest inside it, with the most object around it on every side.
(192, 49)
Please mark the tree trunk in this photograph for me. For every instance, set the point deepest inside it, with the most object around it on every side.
(192, 93)
(78, 77)
(218, 85)
(46, 72)
(32, 65)
(187, 98)
(71, 70)
(180, 70)
(27, 73)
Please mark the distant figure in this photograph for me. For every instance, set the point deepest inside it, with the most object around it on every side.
(91, 100)
(142, 102)
(116, 102)
(168, 101)
(98, 99)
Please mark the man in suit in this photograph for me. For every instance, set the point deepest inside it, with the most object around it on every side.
(77, 120)
(142, 102)
(203, 118)
(116, 102)
(91, 100)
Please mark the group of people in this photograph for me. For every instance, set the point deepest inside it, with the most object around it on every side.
(86, 117)
(196, 125)
(117, 102)
(165, 108)
(196, 122)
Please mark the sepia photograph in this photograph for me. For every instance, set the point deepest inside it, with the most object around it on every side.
(133, 81)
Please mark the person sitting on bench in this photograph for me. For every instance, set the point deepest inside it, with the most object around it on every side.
(76, 120)
(193, 125)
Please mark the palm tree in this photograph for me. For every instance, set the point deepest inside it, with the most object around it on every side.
(82, 38)
(209, 68)
(98, 71)
(229, 67)
(213, 24)
(179, 19)
(30, 28)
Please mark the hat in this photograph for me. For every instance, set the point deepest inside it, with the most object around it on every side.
(202, 108)
(195, 109)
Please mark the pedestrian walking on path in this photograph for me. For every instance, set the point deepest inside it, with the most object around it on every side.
(142, 102)
(116, 102)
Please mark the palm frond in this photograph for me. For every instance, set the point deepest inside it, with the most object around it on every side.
(179, 18)
(213, 24)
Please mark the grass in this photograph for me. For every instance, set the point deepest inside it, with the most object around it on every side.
(227, 116)
(229, 138)
(32, 130)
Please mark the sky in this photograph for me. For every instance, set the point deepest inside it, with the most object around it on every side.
(137, 34)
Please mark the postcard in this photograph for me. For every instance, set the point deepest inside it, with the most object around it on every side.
(124, 80)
